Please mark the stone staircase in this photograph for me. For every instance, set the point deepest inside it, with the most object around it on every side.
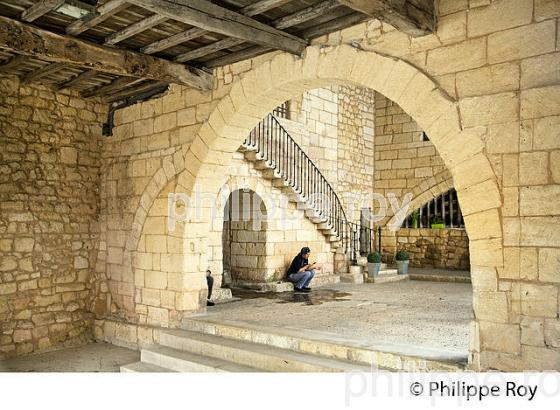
(269, 171)
(359, 274)
(228, 346)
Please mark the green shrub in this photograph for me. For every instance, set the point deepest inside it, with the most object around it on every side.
(374, 257)
(401, 255)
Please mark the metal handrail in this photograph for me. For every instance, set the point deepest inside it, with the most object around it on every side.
(274, 145)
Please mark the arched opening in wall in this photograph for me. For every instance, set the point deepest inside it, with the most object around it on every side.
(434, 235)
(283, 77)
(244, 239)
(296, 159)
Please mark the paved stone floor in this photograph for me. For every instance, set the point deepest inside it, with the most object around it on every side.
(400, 316)
(94, 357)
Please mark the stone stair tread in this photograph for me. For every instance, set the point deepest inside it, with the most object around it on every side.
(292, 360)
(320, 341)
(199, 363)
(141, 367)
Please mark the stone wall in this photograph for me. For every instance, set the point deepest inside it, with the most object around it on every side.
(403, 161)
(497, 138)
(437, 248)
(49, 203)
(355, 153)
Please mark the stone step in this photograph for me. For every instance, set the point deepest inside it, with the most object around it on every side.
(325, 279)
(384, 272)
(263, 165)
(141, 367)
(352, 278)
(386, 278)
(263, 357)
(271, 174)
(333, 346)
(252, 156)
(183, 361)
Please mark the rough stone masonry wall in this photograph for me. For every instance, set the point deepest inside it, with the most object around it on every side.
(435, 248)
(49, 185)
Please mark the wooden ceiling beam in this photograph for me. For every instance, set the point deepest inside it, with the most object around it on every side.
(294, 19)
(43, 72)
(414, 17)
(39, 9)
(80, 78)
(14, 62)
(250, 10)
(135, 91)
(100, 14)
(113, 86)
(135, 28)
(333, 25)
(211, 17)
(21, 38)
(306, 14)
(262, 7)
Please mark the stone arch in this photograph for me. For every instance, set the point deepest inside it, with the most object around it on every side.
(427, 190)
(284, 76)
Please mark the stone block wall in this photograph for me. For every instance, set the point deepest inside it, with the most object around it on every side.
(437, 248)
(264, 253)
(403, 161)
(49, 203)
(355, 153)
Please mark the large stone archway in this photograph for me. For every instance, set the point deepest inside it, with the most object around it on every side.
(285, 76)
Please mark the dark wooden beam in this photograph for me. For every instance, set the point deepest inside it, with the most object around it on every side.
(43, 72)
(39, 9)
(294, 19)
(21, 38)
(209, 49)
(135, 28)
(414, 17)
(144, 88)
(262, 7)
(113, 86)
(244, 54)
(306, 14)
(211, 17)
(169, 42)
(100, 14)
(250, 10)
(333, 25)
(14, 62)
(80, 78)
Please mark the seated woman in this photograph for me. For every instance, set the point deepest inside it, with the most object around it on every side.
(301, 271)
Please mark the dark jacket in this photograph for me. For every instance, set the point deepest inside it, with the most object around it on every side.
(298, 263)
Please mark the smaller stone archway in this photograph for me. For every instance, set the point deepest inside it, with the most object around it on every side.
(244, 238)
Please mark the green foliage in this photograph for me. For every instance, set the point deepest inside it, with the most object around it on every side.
(374, 257)
(401, 255)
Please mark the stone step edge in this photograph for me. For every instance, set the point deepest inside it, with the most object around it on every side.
(271, 358)
(197, 362)
(142, 367)
(384, 359)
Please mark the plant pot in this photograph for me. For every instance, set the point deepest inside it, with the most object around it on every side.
(438, 226)
(373, 269)
(402, 267)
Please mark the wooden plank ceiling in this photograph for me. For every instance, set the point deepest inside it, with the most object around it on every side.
(115, 49)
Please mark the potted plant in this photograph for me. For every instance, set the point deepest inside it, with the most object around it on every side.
(374, 264)
(437, 222)
(402, 262)
(415, 218)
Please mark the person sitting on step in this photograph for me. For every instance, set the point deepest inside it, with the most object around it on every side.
(301, 271)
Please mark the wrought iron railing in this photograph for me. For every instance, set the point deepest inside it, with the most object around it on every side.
(274, 145)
